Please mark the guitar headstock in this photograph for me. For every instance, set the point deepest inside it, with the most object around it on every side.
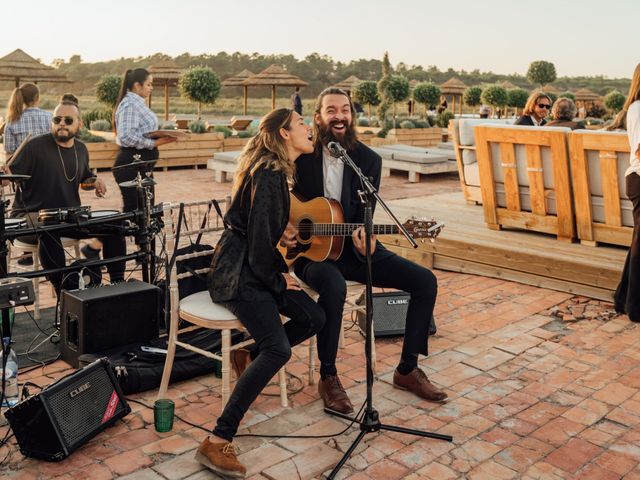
(423, 228)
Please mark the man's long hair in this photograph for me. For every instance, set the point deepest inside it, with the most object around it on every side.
(323, 136)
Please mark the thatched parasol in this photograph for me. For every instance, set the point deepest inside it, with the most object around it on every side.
(454, 87)
(167, 74)
(348, 83)
(274, 76)
(507, 85)
(236, 81)
(551, 89)
(586, 95)
(19, 66)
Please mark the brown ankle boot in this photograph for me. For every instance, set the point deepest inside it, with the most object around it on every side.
(220, 456)
(240, 360)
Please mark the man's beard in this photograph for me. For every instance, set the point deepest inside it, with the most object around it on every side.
(348, 140)
(68, 135)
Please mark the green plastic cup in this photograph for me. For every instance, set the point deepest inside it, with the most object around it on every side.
(163, 415)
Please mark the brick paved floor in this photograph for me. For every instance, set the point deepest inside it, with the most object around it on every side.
(542, 385)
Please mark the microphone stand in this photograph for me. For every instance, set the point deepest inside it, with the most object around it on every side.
(370, 420)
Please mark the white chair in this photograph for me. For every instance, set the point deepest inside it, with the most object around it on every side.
(198, 309)
(32, 248)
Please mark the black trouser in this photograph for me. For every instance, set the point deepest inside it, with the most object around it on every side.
(274, 341)
(124, 157)
(328, 279)
(627, 296)
(52, 254)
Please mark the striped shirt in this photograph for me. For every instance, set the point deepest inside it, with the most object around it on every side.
(133, 120)
(33, 120)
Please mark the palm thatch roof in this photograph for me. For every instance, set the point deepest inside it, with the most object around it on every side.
(507, 84)
(21, 67)
(586, 95)
(166, 72)
(348, 83)
(453, 86)
(275, 75)
(551, 89)
(237, 79)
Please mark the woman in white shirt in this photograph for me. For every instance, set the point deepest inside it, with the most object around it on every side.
(627, 296)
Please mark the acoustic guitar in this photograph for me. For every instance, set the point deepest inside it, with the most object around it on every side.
(321, 229)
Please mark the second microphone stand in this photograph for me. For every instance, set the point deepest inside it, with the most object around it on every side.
(370, 421)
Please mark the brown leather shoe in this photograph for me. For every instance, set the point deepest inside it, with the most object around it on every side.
(220, 456)
(333, 395)
(240, 360)
(418, 383)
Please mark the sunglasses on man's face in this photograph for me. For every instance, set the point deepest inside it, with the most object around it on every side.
(66, 120)
(544, 105)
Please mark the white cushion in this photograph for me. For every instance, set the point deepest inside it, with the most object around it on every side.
(421, 158)
(200, 305)
(469, 157)
(465, 127)
(472, 175)
(626, 210)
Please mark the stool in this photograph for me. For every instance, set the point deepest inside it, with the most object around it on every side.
(32, 248)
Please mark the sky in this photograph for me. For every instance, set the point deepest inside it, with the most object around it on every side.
(581, 37)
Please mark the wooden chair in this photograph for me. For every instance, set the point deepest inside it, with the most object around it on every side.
(598, 164)
(524, 178)
(198, 310)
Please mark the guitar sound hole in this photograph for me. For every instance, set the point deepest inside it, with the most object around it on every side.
(304, 229)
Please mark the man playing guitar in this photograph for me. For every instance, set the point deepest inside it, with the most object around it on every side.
(320, 175)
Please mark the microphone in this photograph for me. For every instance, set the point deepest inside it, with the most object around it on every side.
(335, 148)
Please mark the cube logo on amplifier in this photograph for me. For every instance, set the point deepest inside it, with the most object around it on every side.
(389, 314)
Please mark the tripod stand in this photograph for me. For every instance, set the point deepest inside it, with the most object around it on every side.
(370, 421)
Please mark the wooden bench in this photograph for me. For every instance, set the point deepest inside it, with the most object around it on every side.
(598, 164)
(415, 164)
(524, 178)
(223, 163)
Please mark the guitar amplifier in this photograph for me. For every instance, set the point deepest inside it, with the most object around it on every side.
(389, 314)
(68, 413)
(98, 319)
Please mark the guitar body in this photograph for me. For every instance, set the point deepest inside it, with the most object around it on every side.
(303, 215)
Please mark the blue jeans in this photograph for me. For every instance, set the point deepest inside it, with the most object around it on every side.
(274, 341)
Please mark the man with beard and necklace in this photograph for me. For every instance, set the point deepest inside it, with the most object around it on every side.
(58, 164)
(321, 175)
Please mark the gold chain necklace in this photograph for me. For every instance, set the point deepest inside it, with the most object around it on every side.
(62, 162)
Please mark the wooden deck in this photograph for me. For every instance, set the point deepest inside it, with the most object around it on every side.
(467, 245)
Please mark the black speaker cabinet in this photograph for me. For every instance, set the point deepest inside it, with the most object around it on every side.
(69, 412)
(98, 319)
(389, 314)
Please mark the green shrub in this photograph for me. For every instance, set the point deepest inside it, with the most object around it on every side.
(407, 124)
(541, 72)
(225, 130)
(367, 132)
(494, 95)
(363, 122)
(472, 96)
(197, 126)
(200, 85)
(552, 96)
(568, 95)
(444, 118)
(245, 134)
(374, 123)
(382, 133)
(97, 114)
(426, 93)
(614, 100)
(100, 125)
(168, 125)
(87, 137)
(421, 123)
(366, 93)
(517, 97)
(107, 89)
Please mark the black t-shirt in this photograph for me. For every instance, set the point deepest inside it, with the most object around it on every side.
(55, 173)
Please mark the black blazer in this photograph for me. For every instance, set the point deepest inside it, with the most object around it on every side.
(526, 120)
(309, 183)
(246, 264)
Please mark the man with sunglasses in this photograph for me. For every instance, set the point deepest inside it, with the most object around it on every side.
(58, 164)
(536, 110)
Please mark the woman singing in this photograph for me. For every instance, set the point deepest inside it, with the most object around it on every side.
(249, 276)
(627, 296)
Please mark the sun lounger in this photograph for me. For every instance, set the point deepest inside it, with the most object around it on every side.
(414, 163)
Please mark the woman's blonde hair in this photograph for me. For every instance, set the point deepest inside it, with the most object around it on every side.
(267, 148)
(23, 96)
(533, 100)
(620, 122)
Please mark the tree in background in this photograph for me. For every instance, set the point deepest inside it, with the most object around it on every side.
(107, 89)
(397, 90)
(200, 85)
(614, 100)
(494, 96)
(427, 93)
(568, 95)
(517, 98)
(541, 72)
(472, 96)
(366, 93)
(383, 108)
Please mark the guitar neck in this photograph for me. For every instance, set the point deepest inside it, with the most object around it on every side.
(346, 229)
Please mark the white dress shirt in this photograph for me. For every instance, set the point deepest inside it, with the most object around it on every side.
(333, 171)
(633, 131)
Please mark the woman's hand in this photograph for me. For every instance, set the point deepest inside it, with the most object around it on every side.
(292, 283)
(101, 187)
(165, 140)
